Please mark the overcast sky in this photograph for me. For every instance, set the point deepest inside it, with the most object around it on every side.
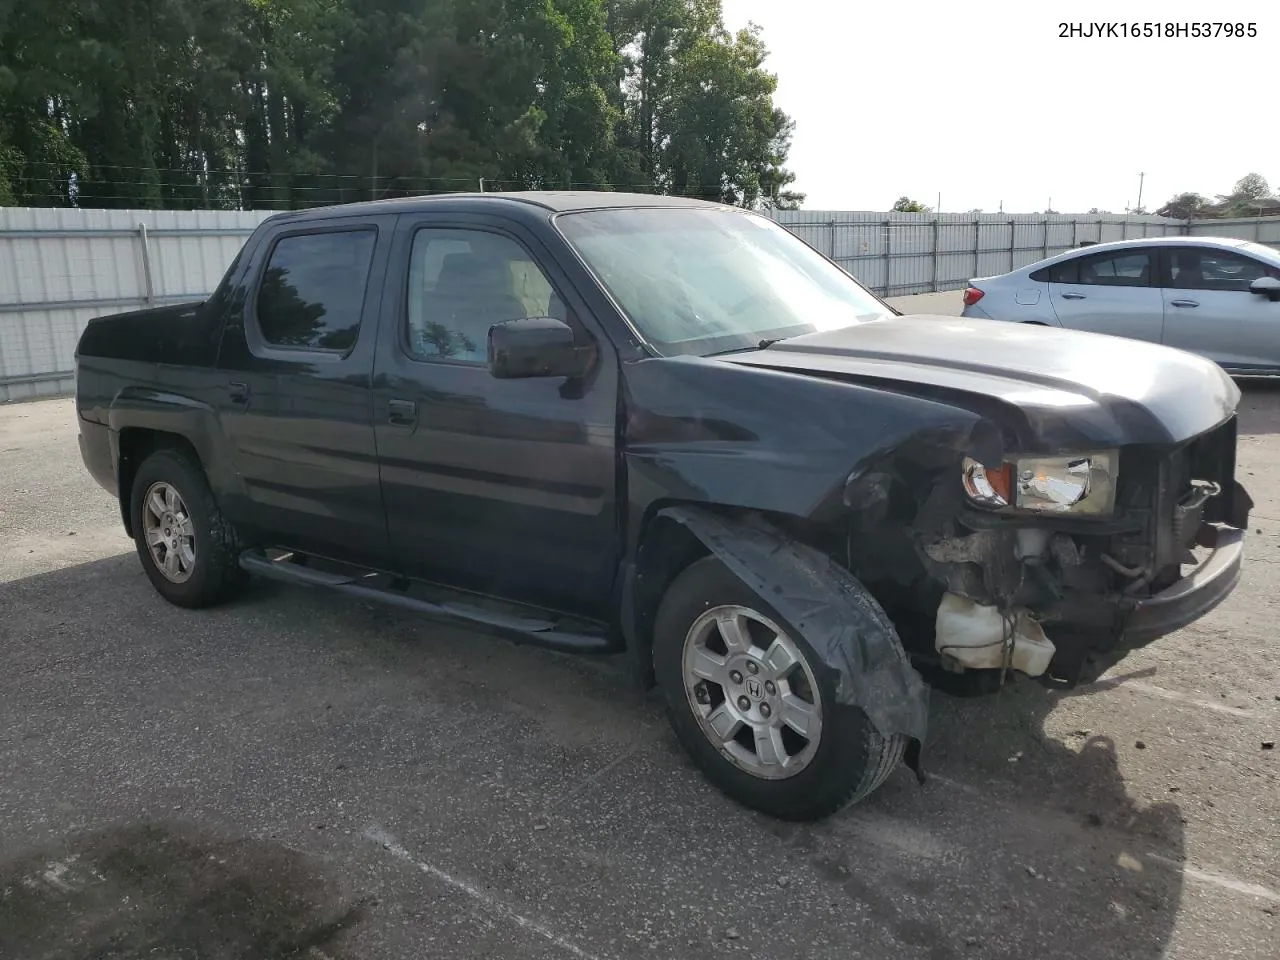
(983, 102)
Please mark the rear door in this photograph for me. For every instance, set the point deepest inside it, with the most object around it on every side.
(1210, 310)
(295, 367)
(1113, 292)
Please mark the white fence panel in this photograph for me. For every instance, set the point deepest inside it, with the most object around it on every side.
(1258, 229)
(59, 268)
(897, 254)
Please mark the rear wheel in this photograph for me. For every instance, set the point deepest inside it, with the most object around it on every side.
(187, 547)
(754, 705)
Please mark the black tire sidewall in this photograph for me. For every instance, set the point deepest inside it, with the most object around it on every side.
(846, 745)
(208, 578)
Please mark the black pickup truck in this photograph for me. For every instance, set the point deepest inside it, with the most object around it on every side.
(608, 423)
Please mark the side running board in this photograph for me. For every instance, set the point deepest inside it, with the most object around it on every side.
(443, 604)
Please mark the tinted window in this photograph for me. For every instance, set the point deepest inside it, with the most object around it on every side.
(1127, 268)
(1204, 268)
(313, 288)
(1068, 271)
(461, 282)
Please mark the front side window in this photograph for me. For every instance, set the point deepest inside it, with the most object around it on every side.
(462, 282)
(312, 291)
(1206, 268)
(708, 281)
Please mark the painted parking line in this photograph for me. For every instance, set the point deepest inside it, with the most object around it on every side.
(1151, 690)
(487, 901)
(1214, 878)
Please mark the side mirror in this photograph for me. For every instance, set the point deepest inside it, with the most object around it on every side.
(533, 347)
(1268, 287)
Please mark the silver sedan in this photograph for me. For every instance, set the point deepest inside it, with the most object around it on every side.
(1218, 297)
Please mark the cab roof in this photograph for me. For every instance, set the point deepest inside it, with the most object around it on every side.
(552, 201)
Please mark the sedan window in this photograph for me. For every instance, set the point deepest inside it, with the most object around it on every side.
(1207, 268)
(1124, 268)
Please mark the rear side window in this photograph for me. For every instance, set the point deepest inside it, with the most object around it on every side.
(1123, 268)
(1068, 271)
(312, 291)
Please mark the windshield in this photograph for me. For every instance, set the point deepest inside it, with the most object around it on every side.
(709, 281)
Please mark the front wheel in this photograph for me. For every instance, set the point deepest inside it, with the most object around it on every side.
(187, 547)
(754, 705)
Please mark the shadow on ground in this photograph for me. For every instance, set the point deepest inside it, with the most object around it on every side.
(168, 890)
(1022, 846)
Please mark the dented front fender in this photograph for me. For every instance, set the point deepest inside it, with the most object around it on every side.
(823, 603)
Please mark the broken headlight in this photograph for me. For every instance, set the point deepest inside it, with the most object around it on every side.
(1081, 485)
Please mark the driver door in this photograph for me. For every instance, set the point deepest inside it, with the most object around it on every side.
(504, 487)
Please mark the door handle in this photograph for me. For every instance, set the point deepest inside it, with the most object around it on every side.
(402, 413)
(1073, 296)
(239, 392)
(1183, 303)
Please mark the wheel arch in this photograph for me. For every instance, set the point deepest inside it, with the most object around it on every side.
(823, 601)
(665, 547)
(135, 445)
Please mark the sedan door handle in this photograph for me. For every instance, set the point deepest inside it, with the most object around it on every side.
(402, 413)
(239, 392)
(1073, 296)
(1184, 303)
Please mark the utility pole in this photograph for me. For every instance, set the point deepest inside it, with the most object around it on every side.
(1141, 177)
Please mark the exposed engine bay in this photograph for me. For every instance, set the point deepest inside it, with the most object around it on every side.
(1051, 567)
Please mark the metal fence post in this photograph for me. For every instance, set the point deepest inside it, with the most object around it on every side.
(1075, 232)
(832, 240)
(1013, 241)
(936, 285)
(145, 249)
(888, 253)
(977, 246)
(1046, 238)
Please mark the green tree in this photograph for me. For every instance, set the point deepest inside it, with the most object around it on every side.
(287, 103)
(905, 204)
(1244, 199)
(1184, 206)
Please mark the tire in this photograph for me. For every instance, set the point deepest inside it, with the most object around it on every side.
(207, 552)
(850, 758)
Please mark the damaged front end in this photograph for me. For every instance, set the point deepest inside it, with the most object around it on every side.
(1056, 566)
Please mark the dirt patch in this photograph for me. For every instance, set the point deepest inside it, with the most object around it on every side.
(170, 891)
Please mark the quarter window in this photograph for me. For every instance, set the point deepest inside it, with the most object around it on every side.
(312, 291)
(462, 282)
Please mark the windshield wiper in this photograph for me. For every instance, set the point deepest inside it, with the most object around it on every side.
(770, 342)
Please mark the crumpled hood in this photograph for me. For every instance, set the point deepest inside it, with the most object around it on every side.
(1066, 389)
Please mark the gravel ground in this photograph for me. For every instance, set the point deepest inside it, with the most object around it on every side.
(297, 775)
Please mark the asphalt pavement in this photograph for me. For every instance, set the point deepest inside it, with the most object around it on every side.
(296, 775)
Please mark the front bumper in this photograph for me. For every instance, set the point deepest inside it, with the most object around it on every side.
(1194, 595)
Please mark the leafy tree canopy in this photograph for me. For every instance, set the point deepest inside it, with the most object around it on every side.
(291, 103)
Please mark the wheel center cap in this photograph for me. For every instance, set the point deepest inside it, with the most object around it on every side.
(755, 689)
